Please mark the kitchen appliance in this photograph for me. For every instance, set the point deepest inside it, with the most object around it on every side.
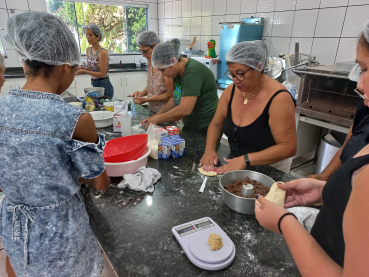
(230, 34)
(193, 237)
(327, 95)
(329, 146)
(241, 204)
(209, 64)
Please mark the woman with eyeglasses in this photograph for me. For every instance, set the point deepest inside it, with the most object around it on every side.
(159, 88)
(338, 243)
(97, 61)
(195, 95)
(356, 139)
(256, 113)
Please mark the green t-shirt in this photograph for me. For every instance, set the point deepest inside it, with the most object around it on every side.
(198, 80)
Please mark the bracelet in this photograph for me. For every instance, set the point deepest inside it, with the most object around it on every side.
(248, 164)
(280, 220)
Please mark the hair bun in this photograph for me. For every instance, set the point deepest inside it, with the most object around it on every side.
(175, 44)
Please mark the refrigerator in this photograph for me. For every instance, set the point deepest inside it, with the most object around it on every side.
(231, 33)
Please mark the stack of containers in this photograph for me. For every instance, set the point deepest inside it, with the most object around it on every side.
(171, 144)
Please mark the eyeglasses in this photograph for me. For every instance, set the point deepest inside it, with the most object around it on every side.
(360, 93)
(145, 52)
(238, 76)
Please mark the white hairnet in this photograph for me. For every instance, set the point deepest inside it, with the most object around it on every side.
(356, 71)
(43, 37)
(148, 38)
(249, 53)
(166, 54)
(2, 60)
(96, 30)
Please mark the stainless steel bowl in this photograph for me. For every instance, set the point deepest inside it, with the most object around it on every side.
(99, 90)
(240, 204)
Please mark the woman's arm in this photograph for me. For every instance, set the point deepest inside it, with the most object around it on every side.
(283, 127)
(86, 131)
(103, 63)
(310, 258)
(356, 226)
(334, 164)
(215, 130)
(164, 97)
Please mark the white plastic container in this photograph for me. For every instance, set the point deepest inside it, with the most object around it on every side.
(125, 125)
(102, 118)
(118, 169)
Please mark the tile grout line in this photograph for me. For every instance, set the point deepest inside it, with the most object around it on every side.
(339, 40)
(316, 23)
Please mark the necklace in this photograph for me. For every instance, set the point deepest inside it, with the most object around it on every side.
(247, 98)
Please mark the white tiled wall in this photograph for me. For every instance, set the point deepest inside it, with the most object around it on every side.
(9, 8)
(325, 28)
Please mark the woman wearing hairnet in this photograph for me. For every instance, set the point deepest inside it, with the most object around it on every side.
(97, 61)
(338, 243)
(256, 113)
(195, 96)
(47, 147)
(159, 88)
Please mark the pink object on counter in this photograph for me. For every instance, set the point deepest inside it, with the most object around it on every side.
(118, 169)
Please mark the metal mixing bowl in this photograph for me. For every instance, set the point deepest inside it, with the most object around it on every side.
(240, 204)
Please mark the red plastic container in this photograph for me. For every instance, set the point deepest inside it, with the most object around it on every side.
(125, 149)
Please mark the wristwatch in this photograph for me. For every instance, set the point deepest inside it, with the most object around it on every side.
(248, 164)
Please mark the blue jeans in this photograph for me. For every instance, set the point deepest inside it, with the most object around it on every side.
(104, 83)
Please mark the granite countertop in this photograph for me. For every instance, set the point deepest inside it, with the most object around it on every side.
(134, 228)
(17, 72)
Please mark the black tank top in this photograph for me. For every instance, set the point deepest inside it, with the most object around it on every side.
(360, 133)
(328, 229)
(254, 137)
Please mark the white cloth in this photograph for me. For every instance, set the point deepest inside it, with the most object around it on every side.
(283, 165)
(306, 216)
(143, 180)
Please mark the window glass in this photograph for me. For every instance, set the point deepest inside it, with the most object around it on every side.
(120, 25)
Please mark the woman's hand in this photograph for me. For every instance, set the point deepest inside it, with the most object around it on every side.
(148, 121)
(238, 163)
(302, 192)
(209, 160)
(269, 214)
(81, 71)
(135, 94)
(139, 100)
(321, 176)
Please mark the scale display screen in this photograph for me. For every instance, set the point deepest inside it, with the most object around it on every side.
(202, 224)
(186, 230)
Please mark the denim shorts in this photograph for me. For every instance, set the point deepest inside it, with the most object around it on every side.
(104, 83)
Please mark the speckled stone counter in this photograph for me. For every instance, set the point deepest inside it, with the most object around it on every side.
(134, 228)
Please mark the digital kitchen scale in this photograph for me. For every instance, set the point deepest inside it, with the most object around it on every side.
(193, 237)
